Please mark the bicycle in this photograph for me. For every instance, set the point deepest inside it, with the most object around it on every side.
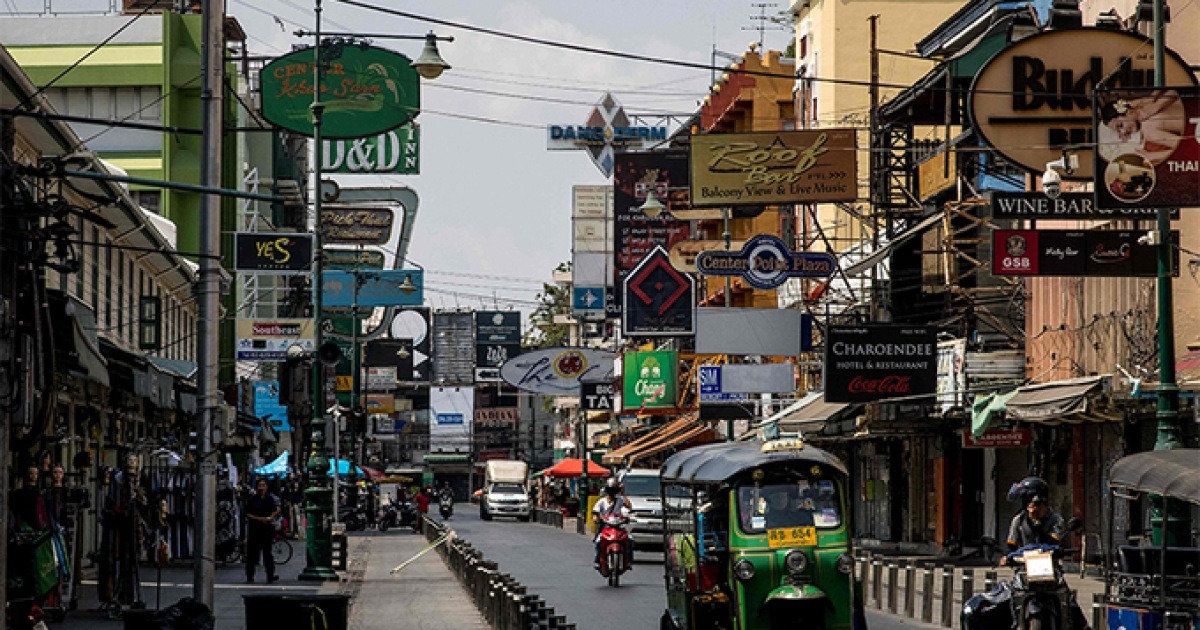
(281, 551)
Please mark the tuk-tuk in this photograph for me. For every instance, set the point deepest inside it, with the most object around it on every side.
(1155, 587)
(757, 536)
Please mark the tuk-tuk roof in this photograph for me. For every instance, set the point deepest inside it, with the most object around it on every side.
(714, 463)
(1174, 474)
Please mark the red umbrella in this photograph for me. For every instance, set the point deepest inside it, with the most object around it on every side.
(573, 467)
(373, 474)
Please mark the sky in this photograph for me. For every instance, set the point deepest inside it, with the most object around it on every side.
(494, 217)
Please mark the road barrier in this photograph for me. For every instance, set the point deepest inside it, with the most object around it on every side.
(503, 602)
(910, 587)
(548, 516)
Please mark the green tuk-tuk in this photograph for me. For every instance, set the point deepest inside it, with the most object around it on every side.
(757, 536)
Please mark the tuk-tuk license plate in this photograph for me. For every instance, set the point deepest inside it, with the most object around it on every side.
(792, 537)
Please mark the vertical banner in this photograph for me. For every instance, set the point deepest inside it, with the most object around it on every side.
(451, 418)
(635, 234)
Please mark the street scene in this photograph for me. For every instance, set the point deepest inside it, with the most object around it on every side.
(719, 315)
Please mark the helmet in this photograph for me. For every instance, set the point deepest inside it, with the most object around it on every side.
(612, 487)
(1029, 489)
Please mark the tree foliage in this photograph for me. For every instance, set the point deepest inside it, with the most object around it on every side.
(554, 299)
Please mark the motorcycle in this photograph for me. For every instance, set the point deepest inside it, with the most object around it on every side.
(353, 519)
(24, 614)
(446, 505)
(1037, 598)
(389, 516)
(613, 542)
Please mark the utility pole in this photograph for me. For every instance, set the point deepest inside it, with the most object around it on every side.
(1171, 526)
(727, 236)
(7, 184)
(872, 167)
(208, 293)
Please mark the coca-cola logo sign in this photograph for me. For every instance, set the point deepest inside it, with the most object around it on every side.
(880, 362)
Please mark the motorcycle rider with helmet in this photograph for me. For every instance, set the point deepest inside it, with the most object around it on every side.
(1037, 523)
(613, 503)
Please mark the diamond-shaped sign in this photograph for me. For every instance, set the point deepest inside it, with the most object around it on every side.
(659, 301)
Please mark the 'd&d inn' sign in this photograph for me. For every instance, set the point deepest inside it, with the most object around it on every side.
(366, 91)
(746, 169)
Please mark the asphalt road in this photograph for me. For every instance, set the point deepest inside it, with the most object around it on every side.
(556, 564)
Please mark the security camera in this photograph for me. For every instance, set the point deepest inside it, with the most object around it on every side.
(1052, 183)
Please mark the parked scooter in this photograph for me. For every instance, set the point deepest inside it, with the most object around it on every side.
(614, 541)
(353, 519)
(389, 516)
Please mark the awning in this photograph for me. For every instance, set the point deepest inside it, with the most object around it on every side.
(87, 344)
(670, 435)
(1174, 474)
(985, 408)
(882, 253)
(447, 458)
(176, 367)
(1060, 401)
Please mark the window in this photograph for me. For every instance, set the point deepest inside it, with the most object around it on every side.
(804, 503)
(95, 259)
(148, 199)
(119, 298)
(108, 280)
(79, 292)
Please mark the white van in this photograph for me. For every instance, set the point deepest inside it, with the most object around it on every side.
(505, 492)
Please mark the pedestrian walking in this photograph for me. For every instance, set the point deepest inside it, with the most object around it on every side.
(262, 508)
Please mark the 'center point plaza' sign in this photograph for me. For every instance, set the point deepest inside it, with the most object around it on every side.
(765, 262)
(604, 131)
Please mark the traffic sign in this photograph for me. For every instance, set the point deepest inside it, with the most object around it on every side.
(588, 300)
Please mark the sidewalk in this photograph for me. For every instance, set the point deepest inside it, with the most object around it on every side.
(425, 596)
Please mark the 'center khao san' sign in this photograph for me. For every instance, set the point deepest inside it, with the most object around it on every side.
(749, 169)
(366, 91)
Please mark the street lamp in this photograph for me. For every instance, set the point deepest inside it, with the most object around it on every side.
(319, 499)
(652, 207)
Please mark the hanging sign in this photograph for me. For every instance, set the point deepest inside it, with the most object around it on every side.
(636, 234)
(650, 380)
(765, 262)
(997, 438)
(1068, 205)
(749, 169)
(1034, 98)
(606, 129)
(558, 371)
(1148, 149)
(878, 361)
(351, 225)
(366, 91)
(392, 287)
(659, 300)
(269, 339)
(597, 396)
(396, 152)
(1094, 253)
(272, 251)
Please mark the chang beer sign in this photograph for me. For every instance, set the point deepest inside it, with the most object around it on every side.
(650, 380)
(396, 152)
(366, 91)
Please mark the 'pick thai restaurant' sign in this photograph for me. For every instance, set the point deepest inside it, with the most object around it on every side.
(878, 361)
(779, 167)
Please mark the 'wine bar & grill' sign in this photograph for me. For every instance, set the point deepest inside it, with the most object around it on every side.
(879, 361)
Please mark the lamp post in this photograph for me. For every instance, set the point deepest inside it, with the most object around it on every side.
(319, 499)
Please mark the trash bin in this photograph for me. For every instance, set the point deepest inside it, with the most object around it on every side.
(321, 612)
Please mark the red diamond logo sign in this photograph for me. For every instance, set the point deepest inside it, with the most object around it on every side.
(659, 299)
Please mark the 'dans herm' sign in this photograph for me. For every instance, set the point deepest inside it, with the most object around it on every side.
(877, 361)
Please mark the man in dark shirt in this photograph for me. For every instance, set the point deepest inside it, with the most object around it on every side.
(262, 508)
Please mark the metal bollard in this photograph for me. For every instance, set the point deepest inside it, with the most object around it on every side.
(927, 594)
(1099, 619)
(893, 573)
(947, 597)
(989, 581)
(910, 591)
(877, 582)
(968, 584)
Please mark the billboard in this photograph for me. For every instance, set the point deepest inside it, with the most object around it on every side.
(604, 131)
(414, 324)
(879, 361)
(1148, 152)
(268, 407)
(366, 91)
(651, 380)
(765, 262)
(370, 288)
(451, 418)
(750, 331)
(1095, 253)
(454, 348)
(558, 371)
(776, 167)
(269, 339)
(396, 152)
(263, 252)
(497, 337)
(1034, 98)
(634, 233)
(659, 300)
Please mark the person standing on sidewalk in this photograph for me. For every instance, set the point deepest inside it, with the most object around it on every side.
(262, 508)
